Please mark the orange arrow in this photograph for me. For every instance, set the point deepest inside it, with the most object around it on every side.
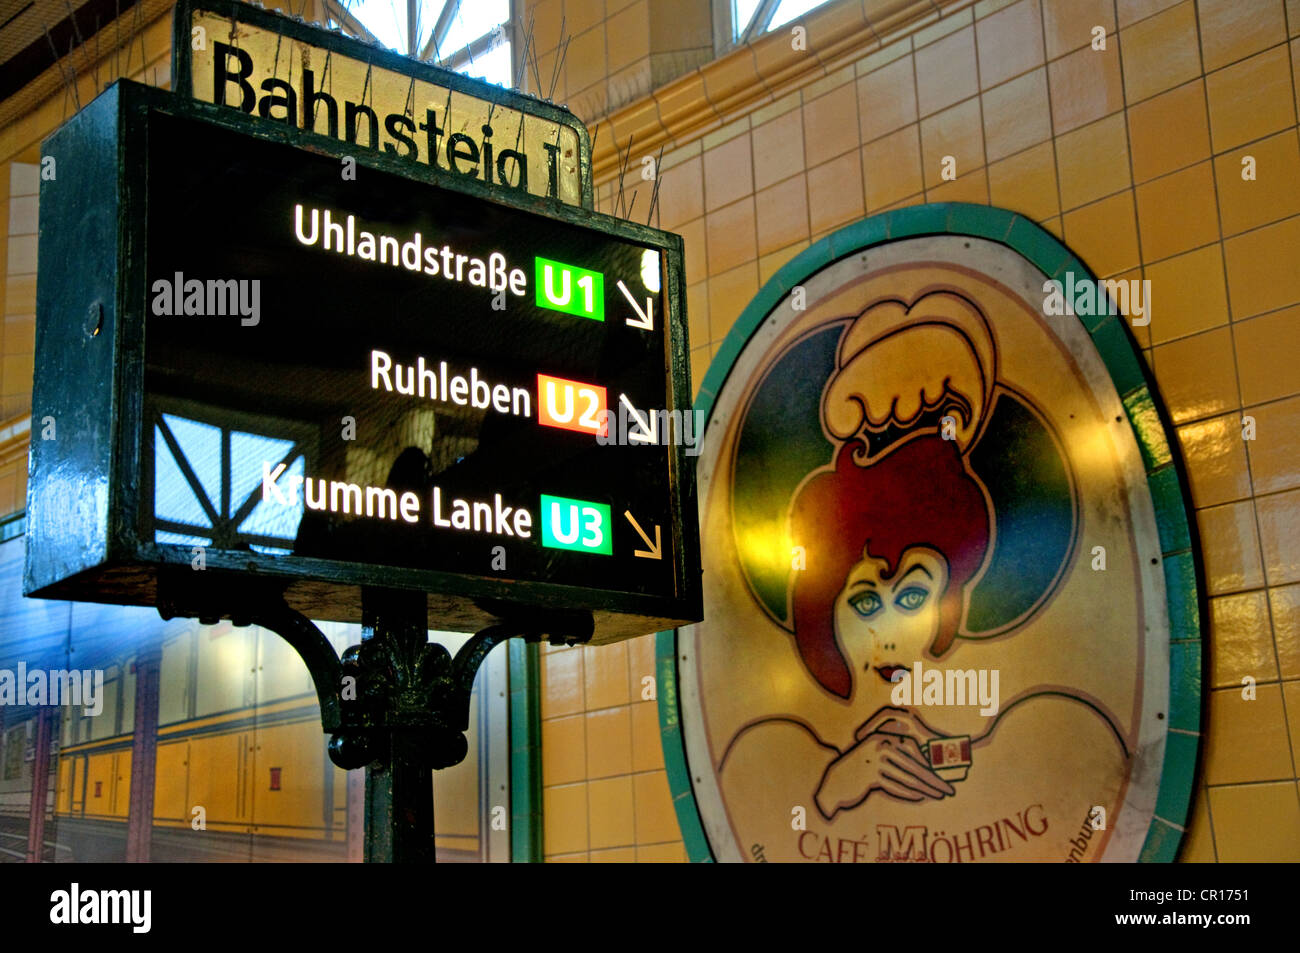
(656, 550)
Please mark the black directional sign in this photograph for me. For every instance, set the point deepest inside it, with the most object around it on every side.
(329, 374)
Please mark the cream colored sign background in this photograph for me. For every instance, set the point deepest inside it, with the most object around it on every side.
(280, 57)
(1102, 636)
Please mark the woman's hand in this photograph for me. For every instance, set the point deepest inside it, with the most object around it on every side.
(894, 721)
(883, 760)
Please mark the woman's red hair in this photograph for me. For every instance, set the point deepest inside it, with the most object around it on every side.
(917, 495)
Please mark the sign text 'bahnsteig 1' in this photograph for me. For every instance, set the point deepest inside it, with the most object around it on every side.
(275, 77)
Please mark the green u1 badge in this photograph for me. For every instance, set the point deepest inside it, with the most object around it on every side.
(569, 289)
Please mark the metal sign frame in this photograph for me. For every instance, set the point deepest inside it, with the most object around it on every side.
(339, 43)
(83, 495)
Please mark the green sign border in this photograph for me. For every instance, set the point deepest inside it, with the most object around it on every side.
(1166, 480)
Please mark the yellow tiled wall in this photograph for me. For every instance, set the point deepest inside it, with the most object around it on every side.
(20, 142)
(19, 291)
(17, 333)
(19, 184)
(611, 52)
(1133, 155)
(605, 794)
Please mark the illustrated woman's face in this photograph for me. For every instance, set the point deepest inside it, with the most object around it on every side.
(884, 625)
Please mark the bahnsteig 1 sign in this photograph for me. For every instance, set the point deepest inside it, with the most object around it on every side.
(258, 367)
(268, 65)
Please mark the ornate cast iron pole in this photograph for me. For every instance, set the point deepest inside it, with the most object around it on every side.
(396, 704)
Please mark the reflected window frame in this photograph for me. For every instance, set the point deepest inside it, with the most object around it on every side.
(729, 32)
(460, 60)
(225, 514)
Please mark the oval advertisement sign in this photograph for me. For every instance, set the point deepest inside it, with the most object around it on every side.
(950, 587)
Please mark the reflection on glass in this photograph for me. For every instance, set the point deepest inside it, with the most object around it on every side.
(241, 768)
(196, 502)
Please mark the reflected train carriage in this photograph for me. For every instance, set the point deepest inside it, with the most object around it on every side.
(242, 772)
